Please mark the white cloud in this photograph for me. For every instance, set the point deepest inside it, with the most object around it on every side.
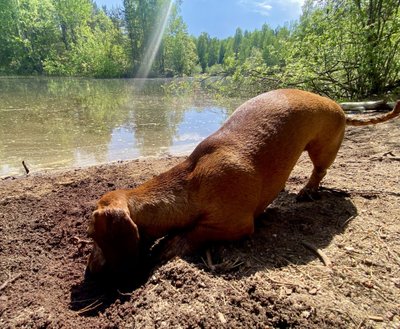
(265, 7)
(261, 7)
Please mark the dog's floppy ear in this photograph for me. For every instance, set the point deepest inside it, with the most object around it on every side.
(117, 236)
(112, 224)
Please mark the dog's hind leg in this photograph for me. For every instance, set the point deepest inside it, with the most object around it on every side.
(322, 154)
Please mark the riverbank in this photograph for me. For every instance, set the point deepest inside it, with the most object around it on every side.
(280, 282)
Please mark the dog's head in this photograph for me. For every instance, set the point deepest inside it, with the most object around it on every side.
(116, 240)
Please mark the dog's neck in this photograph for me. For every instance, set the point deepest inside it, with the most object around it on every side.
(162, 204)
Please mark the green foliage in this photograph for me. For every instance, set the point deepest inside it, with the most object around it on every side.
(179, 51)
(75, 38)
(202, 50)
(60, 37)
(98, 51)
(346, 50)
(140, 19)
(182, 87)
(175, 51)
(27, 34)
(8, 29)
(237, 41)
(252, 77)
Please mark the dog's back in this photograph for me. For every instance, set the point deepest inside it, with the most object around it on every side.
(265, 137)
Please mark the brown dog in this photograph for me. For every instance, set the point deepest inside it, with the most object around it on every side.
(226, 182)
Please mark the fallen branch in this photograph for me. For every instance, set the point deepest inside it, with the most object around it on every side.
(386, 158)
(10, 280)
(378, 106)
(318, 252)
(25, 167)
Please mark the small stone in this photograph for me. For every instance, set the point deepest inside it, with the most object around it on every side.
(396, 282)
(178, 283)
(389, 315)
(221, 317)
(368, 284)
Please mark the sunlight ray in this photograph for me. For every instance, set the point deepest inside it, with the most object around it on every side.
(155, 40)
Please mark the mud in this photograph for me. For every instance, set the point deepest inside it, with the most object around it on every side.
(274, 280)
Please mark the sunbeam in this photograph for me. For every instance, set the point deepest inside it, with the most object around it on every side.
(155, 40)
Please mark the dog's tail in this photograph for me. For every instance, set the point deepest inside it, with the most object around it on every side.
(378, 119)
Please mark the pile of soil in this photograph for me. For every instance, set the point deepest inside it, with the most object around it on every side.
(279, 280)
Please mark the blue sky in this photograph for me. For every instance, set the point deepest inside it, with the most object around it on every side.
(220, 18)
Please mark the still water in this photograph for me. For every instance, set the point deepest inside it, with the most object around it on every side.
(54, 123)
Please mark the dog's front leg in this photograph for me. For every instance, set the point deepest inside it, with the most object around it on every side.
(181, 244)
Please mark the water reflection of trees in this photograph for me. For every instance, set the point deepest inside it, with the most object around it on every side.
(156, 124)
(58, 120)
(47, 120)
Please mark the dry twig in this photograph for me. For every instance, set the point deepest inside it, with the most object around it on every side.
(225, 266)
(80, 240)
(375, 318)
(319, 253)
(25, 167)
(129, 294)
(90, 307)
(10, 280)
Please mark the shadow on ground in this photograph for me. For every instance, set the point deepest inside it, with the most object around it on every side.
(286, 227)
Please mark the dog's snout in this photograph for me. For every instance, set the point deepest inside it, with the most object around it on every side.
(96, 260)
(90, 230)
(88, 274)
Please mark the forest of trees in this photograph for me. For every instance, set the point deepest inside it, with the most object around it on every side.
(343, 49)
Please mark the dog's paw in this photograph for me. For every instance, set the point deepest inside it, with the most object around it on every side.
(308, 195)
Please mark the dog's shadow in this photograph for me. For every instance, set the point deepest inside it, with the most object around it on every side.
(281, 237)
(95, 294)
(290, 232)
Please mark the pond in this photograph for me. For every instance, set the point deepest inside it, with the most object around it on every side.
(54, 123)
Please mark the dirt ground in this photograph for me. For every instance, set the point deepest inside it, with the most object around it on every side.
(280, 280)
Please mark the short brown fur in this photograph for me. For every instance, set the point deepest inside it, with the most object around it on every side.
(228, 180)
